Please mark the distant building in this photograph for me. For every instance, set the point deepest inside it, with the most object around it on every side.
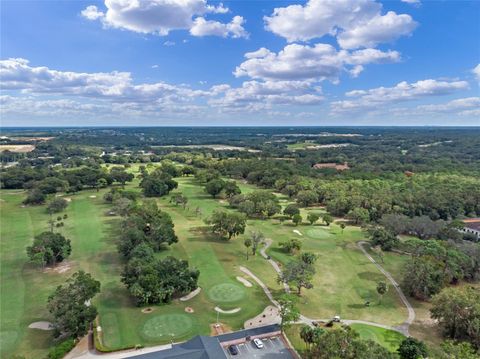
(472, 226)
(204, 347)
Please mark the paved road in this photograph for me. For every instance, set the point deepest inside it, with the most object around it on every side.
(403, 328)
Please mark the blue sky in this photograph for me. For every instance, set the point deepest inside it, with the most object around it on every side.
(198, 62)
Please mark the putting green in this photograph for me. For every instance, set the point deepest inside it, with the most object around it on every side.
(318, 233)
(226, 292)
(385, 337)
(167, 326)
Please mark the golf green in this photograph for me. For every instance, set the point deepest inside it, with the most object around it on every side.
(226, 292)
(167, 326)
(318, 233)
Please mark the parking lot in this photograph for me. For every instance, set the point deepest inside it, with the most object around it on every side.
(273, 348)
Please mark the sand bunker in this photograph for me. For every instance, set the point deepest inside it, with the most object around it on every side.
(268, 316)
(245, 282)
(191, 295)
(231, 311)
(68, 199)
(92, 196)
(296, 231)
(189, 310)
(147, 310)
(41, 325)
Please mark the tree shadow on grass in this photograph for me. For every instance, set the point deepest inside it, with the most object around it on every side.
(203, 234)
(371, 276)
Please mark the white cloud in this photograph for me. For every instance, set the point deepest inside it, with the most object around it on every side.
(463, 106)
(300, 62)
(17, 74)
(379, 29)
(159, 17)
(403, 91)
(256, 95)
(202, 27)
(92, 13)
(355, 23)
(169, 43)
(476, 72)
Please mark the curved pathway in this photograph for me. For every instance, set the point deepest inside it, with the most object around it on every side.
(411, 312)
(403, 328)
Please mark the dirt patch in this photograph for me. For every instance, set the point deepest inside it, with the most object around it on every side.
(41, 325)
(92, 196)
(219, 328)
(231, 311)
(17, 148)
(189, 310)
(268, 316)
(60, 268)
(190, 295)
(68, 199)
(296, 231)
(245, 282)
(147, 310)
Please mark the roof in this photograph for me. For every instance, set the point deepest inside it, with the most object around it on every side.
(338, 167)
(472, 223)
(199, 347)
(203, 347)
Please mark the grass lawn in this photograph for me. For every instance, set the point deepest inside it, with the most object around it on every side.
(387, 338)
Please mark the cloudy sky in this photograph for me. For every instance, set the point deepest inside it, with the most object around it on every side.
(257, 62)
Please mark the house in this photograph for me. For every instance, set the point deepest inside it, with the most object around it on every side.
(472, 226)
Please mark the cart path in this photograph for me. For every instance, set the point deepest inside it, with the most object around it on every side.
(403, 328)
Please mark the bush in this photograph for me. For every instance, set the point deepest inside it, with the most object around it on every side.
(61, 349)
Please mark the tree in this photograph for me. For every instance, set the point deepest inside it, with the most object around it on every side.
(382, 288)
(157, 184)
(359, 215)
(228, 224)
(56, 205)
(307, 198)
(231, 189)
(458, 312)
(247, 243)
(70, 305)
(49, 248)
(288, 311)
(291, 246)
(299, 272)
(146, 223)
(291, 210)
(423, 277)
(395, 223)
(327, 219)
(257, 239)
(307, 335)
(381, 237)
(456, 350)
(35, 196)
(313, 217)
(215, 186)
(178, 198)
(153, 281)
(118, 174)
(342, 226)
(297, 219)
(411, 348)
(343, 343)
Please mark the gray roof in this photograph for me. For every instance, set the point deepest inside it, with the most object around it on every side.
(203, 347)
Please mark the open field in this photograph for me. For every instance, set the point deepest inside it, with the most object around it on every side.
(314, 146)
(17, 148)
(345, 279)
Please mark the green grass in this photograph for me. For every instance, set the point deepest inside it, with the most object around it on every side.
(385, 337)
(344, 281)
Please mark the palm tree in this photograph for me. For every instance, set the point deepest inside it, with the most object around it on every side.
(247, 243)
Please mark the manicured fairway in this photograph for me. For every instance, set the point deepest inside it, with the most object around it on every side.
(387, 338)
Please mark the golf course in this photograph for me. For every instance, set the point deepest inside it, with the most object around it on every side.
(345, 279)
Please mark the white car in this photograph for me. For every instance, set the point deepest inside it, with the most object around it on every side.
(258, 343)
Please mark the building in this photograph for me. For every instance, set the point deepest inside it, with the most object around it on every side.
(472, 226)
(204, 347)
